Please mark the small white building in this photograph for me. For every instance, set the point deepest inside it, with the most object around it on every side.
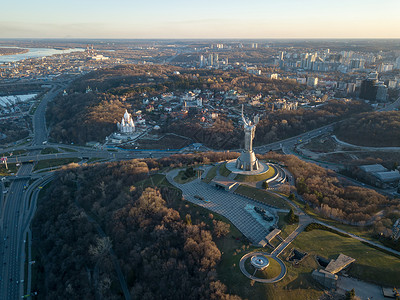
(126, 125)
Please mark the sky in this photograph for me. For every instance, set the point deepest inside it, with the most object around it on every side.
(186, 19)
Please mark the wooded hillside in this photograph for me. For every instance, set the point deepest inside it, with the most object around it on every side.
(162, 254)
(375, 129)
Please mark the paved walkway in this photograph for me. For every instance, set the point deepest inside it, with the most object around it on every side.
(229, 205)
(363, 289)
(282, 246)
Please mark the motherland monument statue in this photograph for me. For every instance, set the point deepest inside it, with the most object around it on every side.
(247, 160)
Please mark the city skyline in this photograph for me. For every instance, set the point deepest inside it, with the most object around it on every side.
(176, 20)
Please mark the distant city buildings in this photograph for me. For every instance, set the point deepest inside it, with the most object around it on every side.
(384, 68)
(312, 81)
(373, 89)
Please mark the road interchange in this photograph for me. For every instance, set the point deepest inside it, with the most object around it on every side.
(17, 212)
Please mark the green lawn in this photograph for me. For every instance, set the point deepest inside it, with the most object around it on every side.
(362, 231)
(255, 178)
(48, 163)
(262, 196)
(68, 149)
(224, 171)
(296, 285)
(272, 271)
(49, 150)
(12, 168)
(180, 178)
(211, 174)
(285, 228)
(15, 152)
(157, 180)
(371, 265)
(94, 159)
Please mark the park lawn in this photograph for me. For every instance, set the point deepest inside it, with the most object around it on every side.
(94, 159)
(255, 178)
(286, 229)
(263, 196)
(68, 149)
(211, 174)
(319, 145)
(15, 152)
(166, 142)
(49, 150)
(296, 285)
(156, 180)
(362, 231)
(371, 265)
(224, 171)
(12, 168)
(48, 163)
(272, 271)
(180, 178)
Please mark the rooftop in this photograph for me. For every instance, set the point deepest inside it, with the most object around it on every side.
(373, 168)
(388, 176)
(338, 264)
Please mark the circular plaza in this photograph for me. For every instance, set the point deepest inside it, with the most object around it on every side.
(262, 267)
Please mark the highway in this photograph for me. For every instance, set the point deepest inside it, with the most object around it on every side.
(12, 219)
(39, 118)
(16, 214)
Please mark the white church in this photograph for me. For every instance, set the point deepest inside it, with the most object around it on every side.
(126, 126)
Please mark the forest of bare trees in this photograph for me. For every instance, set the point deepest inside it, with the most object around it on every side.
(337, 199)
(376, 129)
(90, 209)
(273, 126)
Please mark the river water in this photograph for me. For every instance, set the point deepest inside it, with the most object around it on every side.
(34, 53)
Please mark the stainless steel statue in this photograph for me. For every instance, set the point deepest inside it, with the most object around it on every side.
(247, 161)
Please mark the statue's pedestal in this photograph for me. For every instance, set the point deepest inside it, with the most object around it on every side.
(247, 161)
(231, 166)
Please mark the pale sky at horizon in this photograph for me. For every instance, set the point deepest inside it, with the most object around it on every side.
(202, 19)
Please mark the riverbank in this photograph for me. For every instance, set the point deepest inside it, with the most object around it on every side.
(12, 51)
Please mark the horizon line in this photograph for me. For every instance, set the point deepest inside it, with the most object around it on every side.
(201, 39)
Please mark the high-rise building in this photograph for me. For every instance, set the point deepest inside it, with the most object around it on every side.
(398, 63)
(368, 87)
(201, 61)
(381, 92)
(357, 63)
(210, 60)
(385, 68)
(312, 81)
